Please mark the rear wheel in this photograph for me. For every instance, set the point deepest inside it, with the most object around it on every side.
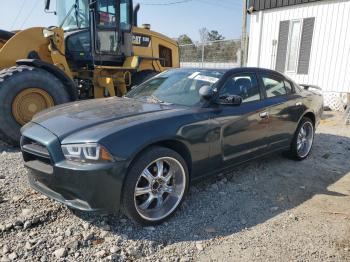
(155, 186)
(303, 139)
(25, 91)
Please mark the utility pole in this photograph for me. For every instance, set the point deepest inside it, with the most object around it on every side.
(244, 40)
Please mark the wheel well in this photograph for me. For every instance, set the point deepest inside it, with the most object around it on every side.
(69, 85)
(175, 145)
(311, 116)
(179, 148)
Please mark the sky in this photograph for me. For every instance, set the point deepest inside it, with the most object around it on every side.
(170, 17)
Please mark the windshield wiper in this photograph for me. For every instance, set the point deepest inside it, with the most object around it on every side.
(74, 6)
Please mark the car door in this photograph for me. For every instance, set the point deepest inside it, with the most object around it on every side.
(243, 128)
(283, 108)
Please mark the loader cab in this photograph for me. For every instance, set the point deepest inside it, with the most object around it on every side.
(96, 32)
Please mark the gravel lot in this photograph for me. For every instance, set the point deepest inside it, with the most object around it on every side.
(273, 209)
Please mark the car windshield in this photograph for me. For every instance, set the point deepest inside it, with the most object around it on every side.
(73, 14)
(179, 87)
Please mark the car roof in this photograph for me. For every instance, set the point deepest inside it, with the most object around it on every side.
(192, 69)
(234, 70)
(255, 70)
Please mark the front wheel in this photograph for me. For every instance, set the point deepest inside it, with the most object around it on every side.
(155, 186)
(303, 139)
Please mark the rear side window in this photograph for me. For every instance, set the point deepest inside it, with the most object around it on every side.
(274, 86)
(243, 85)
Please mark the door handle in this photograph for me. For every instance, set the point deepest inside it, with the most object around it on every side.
(299, 103)
(264, 115)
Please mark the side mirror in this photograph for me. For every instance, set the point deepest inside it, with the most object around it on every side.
(206, 92)
(233, 100)
(47, 5)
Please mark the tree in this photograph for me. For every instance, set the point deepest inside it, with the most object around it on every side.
(185, 40)
(209, 36)
(214, 35)
(203, 34)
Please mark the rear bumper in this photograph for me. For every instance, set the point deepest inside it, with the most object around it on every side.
(86, 187)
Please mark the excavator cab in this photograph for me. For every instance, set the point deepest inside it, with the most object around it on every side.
(96, 32)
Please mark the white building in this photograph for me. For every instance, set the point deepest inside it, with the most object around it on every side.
(308, 40)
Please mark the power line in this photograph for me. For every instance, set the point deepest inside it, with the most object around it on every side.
(30, 13)
(18, 14)
(228, 5)
(169, 3)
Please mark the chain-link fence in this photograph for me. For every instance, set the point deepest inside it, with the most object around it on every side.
(216, 54)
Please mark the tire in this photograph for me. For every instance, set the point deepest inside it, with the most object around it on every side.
(16, 80)
(140, 77)
(135, 206)
(302, 152)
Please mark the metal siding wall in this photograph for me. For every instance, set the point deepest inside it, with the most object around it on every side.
(255, 4)
(329, 65)
(265, 4)
(273, 3)
(261, 5)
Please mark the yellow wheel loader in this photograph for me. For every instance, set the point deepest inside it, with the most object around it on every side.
(96, 51)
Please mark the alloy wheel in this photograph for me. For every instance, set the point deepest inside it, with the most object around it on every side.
(305, 139)
(160, 188)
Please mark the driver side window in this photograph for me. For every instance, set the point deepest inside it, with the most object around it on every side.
(243, 85)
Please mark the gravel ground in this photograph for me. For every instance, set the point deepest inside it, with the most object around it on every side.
(273, 209)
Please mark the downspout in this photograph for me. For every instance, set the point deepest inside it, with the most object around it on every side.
(261, 14)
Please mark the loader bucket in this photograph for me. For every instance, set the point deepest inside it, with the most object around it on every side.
(16, 46)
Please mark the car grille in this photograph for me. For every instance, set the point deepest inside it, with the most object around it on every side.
(34, 151)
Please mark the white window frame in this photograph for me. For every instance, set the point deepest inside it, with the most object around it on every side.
(289, 45)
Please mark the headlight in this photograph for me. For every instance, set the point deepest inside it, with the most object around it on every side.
(86, 153)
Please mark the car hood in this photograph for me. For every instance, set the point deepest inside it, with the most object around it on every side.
(67, 119)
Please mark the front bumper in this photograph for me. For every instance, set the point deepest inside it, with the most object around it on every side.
(93, 187)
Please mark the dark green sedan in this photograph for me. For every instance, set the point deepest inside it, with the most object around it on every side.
(140, 153)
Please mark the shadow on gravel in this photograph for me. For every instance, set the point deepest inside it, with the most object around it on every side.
(250, 195)
(7, 148)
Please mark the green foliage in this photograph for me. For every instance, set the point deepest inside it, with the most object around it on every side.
(214, 35)
(184, 40)
(209, 36)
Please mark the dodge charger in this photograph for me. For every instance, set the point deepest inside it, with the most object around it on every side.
(140, 153)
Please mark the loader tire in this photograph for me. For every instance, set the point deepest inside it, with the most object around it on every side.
(142, 76)
(25, 91)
